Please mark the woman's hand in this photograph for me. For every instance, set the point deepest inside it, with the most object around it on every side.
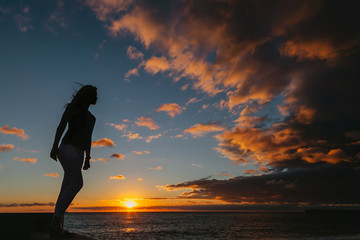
(87, 164)
(54, 154)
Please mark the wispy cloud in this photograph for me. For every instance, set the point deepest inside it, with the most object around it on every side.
(131, 72)
(27, 204)
(141, 152)
(197, 165)
(147, 122)
(222, 174)
(134, 53)
(14, 131)
(118, 177)
(104, 142)
(105, 9)
(178, 136)
(251, 171)
(120, 127)
(132, 136)
(6, 147)
(156, 168)
(150, 138)
(57, 18)
(172, 109)
(200, 129)
(192, 100)
(102, 160)
(23, 20)
(137, 152)
(55, 175)
(24, 159)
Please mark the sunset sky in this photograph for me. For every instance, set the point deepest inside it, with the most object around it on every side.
(203, 105)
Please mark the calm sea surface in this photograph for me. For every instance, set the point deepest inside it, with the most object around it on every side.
(215, 225)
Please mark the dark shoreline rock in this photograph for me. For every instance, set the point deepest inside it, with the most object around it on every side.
(32, 226)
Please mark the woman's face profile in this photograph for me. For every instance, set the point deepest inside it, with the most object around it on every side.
(93, 98)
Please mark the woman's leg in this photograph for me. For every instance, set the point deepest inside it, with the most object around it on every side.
(71, 160)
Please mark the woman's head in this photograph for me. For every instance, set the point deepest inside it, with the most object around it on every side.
(85, 95)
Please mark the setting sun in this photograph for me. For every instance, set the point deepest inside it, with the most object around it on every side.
(129, 203)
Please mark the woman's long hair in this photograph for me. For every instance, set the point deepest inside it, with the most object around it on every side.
(80, 97)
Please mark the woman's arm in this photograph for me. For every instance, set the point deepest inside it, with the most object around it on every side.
(88, 148)
(59, 132)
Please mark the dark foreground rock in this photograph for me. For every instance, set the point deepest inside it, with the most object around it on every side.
(32, 226)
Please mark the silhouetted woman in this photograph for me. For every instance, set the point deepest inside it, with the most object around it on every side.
(76, 141)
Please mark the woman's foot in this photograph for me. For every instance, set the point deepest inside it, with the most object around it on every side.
(57, 230)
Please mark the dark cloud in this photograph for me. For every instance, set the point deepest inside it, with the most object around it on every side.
(26, 204)
(303, 52)
(329, 184)
(6, 147)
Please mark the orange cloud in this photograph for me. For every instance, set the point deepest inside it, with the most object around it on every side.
(14, 131)
(120, 127)
(1, 166)
(140, 152)
(309, 50)
(200, 129)
(51, 174)
(104, 142)
(6, 147)
(263, 169)
(156, 64)
(208, 77)
(132, 136)
(184, 87)
(156, 168)
(118, 177)
(249, 121)
(150, 138)
(147, 122)
(117, 155)
(172, 109)
(261, 146)
(29, 160)
(251, 171)
(305, 114)
(273, 146)
(99, 160)
(139, 179)
(192, 100)
(137, 152)
(313, 155)
(133, 53)
(177, 136)
(131, 72)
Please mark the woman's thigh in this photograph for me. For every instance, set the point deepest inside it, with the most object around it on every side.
(71, 159)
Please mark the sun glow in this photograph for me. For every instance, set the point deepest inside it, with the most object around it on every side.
(129, 203)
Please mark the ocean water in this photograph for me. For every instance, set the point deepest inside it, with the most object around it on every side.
(213, 225)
